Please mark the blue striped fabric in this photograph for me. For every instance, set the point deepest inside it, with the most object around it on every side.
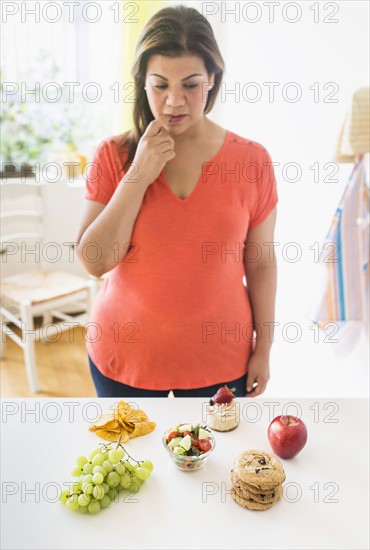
(345, 294)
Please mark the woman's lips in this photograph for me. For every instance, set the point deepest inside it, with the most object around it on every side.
(177, 119)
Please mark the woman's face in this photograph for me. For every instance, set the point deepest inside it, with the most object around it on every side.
(178, 86)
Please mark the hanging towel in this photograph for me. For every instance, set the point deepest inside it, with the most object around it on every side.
(354, 137)
(345, 256)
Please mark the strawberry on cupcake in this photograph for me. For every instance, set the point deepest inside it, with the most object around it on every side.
(223, 410)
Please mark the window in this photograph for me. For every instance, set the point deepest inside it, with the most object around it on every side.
(59, 66)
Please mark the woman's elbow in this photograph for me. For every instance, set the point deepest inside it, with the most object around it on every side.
(93, 267)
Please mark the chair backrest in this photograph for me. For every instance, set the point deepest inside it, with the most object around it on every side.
(22, 226)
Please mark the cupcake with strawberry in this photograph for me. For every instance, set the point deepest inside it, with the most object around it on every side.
(223, 413)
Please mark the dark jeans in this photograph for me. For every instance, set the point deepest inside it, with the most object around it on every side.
(106, 387)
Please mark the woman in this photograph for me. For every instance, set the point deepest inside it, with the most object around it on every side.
(177, 212)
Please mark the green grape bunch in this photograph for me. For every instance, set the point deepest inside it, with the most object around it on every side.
(102, 475)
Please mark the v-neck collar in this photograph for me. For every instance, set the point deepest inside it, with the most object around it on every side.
(163, 179)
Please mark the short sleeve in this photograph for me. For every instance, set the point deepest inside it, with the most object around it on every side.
(266, 191)
(102, 174)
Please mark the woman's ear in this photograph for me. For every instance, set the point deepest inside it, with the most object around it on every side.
(211, 82)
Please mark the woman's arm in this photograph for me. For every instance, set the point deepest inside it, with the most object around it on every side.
(261, 283)
(107, 229)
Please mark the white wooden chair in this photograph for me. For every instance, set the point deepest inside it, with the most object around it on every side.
(40, 291)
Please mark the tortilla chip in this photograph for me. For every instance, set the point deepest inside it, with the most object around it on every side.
(108, 417)
(127, 413)
(105, 421)
(130, 421)
(125, 436)
(142, 428)
(138, 416)
(123, 409)
(125, 421)
(110, 427)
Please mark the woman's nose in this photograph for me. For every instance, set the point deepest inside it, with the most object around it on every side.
(175, 98)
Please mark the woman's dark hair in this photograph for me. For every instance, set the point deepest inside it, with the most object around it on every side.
(173, 32)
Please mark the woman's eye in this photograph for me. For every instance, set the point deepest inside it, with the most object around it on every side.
(163, 86)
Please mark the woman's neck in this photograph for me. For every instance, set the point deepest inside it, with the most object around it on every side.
(197, 133)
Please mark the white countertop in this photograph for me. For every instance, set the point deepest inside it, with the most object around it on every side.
(325, 502)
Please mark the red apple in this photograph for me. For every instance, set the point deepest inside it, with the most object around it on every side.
(287, 435)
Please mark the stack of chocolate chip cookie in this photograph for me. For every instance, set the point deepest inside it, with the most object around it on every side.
(257, 480)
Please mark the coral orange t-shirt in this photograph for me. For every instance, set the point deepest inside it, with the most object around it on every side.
(175, 312)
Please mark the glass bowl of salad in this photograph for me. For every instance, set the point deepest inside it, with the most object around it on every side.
(189, 445)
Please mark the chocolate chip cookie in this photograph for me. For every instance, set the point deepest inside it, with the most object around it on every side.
(252, 504)
(257, 480)
(259, 469)
(262, 498)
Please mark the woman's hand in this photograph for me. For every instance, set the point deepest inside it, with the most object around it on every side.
(258, 372)
(155, 148)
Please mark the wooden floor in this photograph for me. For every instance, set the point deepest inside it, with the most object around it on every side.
(62, 368)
